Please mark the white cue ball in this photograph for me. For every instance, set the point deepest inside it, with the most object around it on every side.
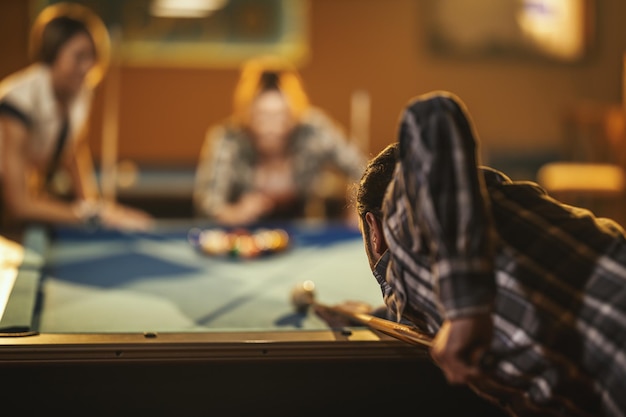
(303, 295)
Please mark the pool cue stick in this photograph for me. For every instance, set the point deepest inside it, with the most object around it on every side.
(399, 331)
(110, 123)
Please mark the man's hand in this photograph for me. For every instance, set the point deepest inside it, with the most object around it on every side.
(459, 346)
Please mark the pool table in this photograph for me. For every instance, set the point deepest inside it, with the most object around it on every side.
(101, 322)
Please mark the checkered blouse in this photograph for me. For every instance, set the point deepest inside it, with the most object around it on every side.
(226, 167)
(464, 240)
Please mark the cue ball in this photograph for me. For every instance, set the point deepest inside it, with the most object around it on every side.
(303, 295)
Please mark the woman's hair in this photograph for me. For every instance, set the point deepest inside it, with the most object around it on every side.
(268, 73)
(58, 23)
(56, 34)
(375, 180)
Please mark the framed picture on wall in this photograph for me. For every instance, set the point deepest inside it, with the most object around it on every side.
(554, 30)
(201, 32)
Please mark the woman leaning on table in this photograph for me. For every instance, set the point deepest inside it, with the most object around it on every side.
(267, 161)
(44, 111)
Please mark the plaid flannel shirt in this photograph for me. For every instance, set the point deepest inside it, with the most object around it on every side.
(465, 239)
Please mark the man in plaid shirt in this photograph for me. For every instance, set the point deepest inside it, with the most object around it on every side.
(525, 296)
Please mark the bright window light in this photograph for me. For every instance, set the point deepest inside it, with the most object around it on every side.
(556, 27)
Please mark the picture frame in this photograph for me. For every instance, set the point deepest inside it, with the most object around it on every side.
(549, 30)
(239, 30)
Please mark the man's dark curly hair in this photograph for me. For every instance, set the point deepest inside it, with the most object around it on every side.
(374, 182)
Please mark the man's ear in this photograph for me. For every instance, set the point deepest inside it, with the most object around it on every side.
(376, 238)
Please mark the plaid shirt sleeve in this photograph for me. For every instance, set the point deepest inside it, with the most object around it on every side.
(335, 145)
(438, 209)
(217, 169)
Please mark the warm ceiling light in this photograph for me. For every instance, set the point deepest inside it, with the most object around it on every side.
(185, 8)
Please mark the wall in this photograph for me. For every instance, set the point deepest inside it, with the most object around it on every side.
(375, 45)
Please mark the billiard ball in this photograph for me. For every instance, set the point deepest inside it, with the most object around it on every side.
(239, 243)
(214, 242)
(303, 296)
(246, 246)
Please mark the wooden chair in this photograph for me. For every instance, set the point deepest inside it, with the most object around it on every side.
(592, 172)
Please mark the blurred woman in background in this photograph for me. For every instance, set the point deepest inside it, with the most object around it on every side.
(266, 161)
(44, 111)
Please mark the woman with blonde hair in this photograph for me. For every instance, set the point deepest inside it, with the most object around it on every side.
(264, 162)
